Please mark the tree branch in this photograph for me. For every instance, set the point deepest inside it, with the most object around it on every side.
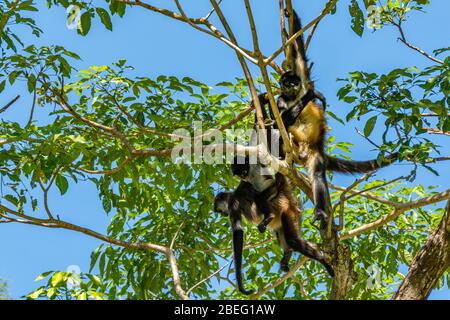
(403, 39)
(292, 270)
(399, 208)
(429, 264)
(9, 104)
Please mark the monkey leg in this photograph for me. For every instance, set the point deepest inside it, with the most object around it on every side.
(316, 166)
(289, 115)
(262, 227)
(291, 233)
(287, 251)
(263, 206)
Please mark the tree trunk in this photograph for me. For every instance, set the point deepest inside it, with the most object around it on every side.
(429, 264)
(345, 277)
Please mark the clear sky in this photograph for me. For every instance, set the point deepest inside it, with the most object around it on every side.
(155, 45)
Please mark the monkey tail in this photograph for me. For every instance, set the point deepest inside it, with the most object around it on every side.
(300, 40)
(350, 167)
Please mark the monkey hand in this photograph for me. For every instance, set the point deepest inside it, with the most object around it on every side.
(321, 215)
(262, 227)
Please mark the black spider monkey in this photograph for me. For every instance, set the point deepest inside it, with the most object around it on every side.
(305, 121)
(285, 223)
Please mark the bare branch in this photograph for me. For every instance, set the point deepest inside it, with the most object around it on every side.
(399, 208)
(206, 279)
(195, 23)
(282, 24)
(403, 39)
(212, 11)
(432, 115)
(437, 131)
(293, 269)
(174, 266)
(66, 225)
(262, 66)
(9, 104)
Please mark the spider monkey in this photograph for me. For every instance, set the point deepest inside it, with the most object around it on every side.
(242, 202)
(257, 174)
(305, 121)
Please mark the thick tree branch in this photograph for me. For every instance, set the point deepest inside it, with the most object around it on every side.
(60, 224)
(429, 264)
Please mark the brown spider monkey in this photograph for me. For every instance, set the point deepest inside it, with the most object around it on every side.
(305, 121)
(285, 222)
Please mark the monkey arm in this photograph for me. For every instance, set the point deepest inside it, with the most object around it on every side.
(289, 115)
(238, 245)
(262, 102)
(322, 99)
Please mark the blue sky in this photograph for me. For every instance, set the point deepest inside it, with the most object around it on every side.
(155, 45)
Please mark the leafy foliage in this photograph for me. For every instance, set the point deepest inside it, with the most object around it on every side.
(12, 14)
(3, 290)
(150, 199)
(401, 98)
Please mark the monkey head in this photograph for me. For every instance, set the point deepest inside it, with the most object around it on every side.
(290, 85)
(240, 167)
(221, 203)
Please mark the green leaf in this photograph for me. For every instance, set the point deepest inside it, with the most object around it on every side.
(370, 124)
(43, 275)
(62, 184)
(105, 18)
(2, 86)
(36, 294)
(57, 278)
(357, 18)
(85, 23)
(106, 204)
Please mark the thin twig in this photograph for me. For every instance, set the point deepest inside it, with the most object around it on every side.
(293, 269)
(403, 39)
(206, 279)
(9, 104)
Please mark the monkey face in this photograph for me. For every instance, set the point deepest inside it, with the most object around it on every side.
(221, 203)
(290, 85)
(240, 167)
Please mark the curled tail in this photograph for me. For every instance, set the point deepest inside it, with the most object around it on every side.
(349, 167)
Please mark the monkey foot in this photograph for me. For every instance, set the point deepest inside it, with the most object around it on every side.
(262, 227)
(320, 215)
